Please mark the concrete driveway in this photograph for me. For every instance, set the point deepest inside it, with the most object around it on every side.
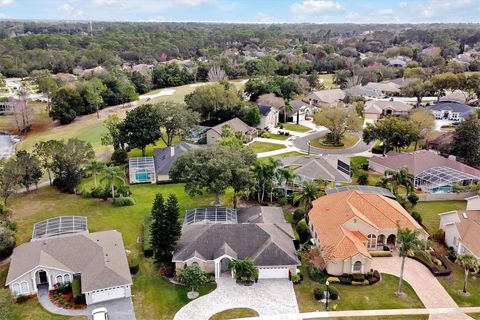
(267, 297)
(120, 309)
(429, 290)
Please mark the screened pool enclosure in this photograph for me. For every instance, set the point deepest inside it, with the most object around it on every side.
(441, 179)
(141, 170)
(58, 226)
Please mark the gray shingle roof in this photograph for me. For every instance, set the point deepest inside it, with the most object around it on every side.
(164, 157)
(264, 109)
(268, 244)
(461, 108)
(317, 167)
(99, 257)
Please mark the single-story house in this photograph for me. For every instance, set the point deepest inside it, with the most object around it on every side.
(164, 158)
(377, 109)
(439, 141)
(237, 125)
(454, 111)
(397, 62)
(432, 172)
(462, 228)
(455, 96)
(300, 111)
(334, 169)
(325, 98)
(348, 225)
(60, 252)
(271, 99)
(141, 170)
(212, 237)
(363, 91)
(385, 87)
(268, 116)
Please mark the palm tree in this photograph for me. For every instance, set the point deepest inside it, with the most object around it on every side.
(468, 262)
(308, 192)
(94, 168)
(244, 270)
(409, 242)
(285, 175)
(112, 174)
(400, 177)
(287, 108)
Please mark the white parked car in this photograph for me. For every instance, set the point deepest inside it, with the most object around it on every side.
(100, 314)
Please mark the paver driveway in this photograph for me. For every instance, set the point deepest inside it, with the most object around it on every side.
(427, 287)
(267, 297)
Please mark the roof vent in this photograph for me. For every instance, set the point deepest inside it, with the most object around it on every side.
(465, 215)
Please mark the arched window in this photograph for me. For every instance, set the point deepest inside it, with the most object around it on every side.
(59, 279)
(24, 287)
(194, 264)
(372, 241)
(66, 278)
(16, 288)
(357, 266)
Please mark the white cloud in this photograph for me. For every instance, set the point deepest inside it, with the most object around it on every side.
(71, 11)
(402, 4)
(5, 2)
(105, 2)
(385, 11)
(314, 6)
(2, 15)
(264, 17)
(190, 3)
(352, 15)
(158, 19)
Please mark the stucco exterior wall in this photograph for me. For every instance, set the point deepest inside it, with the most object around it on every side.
(207, 266)
(31, 278)
(338, 267)
(270, 120)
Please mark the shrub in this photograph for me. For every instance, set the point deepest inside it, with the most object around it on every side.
(376, 274)
(452, 255)
(417, 217)
(358, 277)
(302, 231)
(318, 276)
(333, 280)
(21, 298)
(123, 202)
(283, 201)
(362, 177)
(296, 278)
(318, 294)
(85, 194)
(381, 254)
(345, 280)
(122, 190)
(147, 236)
(119, 157)
(7, 241)
(133, 264)
(298, 215)
(360, 283)
(333, 293)
(413, 198)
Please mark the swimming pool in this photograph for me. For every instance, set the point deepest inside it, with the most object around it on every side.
(443, 189)
(142, 176)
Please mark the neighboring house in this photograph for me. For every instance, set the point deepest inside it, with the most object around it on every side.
(237, 125)
(397, 63)
(462, 228)
(453, 111)
(324, 98)
(271, 99)
(300, 111)
(362, 91)
(268, 117)
(439, 141)
(432, 172)
(348, 225)
(334, 169)
(384, 87)
(62, 250)
(164, 158)
(212, 237)
(141, 170)
(376, 109)
(455, 96)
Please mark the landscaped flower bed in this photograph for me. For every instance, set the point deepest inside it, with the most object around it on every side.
(438, 265)
(62, 296)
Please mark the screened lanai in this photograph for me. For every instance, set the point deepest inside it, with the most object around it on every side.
(59, 226)
(211, 216)
(141, 170)
(436, 178)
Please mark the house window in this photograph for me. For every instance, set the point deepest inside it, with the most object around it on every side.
(372, 241)
(66, 278)
(194, 264)
(59, 279)
(16, 288)
(24, 287)
(357, 266)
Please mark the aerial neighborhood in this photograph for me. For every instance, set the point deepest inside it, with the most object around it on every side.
(193, 170)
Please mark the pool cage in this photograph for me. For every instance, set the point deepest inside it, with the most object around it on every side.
(438, 177)
(141, 170)
(59, 226)
(211, 216)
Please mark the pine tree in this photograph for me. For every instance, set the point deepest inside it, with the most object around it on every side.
(165, 227)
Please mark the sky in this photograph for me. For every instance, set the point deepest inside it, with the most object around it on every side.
(258, 11)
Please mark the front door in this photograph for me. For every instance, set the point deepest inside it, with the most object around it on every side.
(43, 277)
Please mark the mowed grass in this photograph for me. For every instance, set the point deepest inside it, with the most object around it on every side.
(154, 297)
(295, 127)
(259, 147)
(278, 136)
(234, 314)
(454, 284)
(349, 140)
(430, 210)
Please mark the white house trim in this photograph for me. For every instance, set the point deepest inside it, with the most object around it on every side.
(218, 266)
(38, 267)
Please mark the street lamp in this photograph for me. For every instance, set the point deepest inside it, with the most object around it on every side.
(327, 295)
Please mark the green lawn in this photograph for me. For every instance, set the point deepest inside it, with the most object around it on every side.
(454, 283)
(429, 211)
(349, 140)
(378, 296)
(259, 147)
(278, 136)
(295, 127)
(154, 297)
(234, 314)
(327, 80)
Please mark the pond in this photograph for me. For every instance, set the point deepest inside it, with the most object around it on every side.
(7, 144)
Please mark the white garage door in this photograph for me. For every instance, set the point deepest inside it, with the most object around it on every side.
(272, 273)
(108, 294)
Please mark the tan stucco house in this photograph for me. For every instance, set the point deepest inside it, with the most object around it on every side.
(377, 109)
(214, 134)
(268, 117)
(348, 225)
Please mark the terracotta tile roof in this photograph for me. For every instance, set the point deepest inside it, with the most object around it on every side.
(330, 213)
